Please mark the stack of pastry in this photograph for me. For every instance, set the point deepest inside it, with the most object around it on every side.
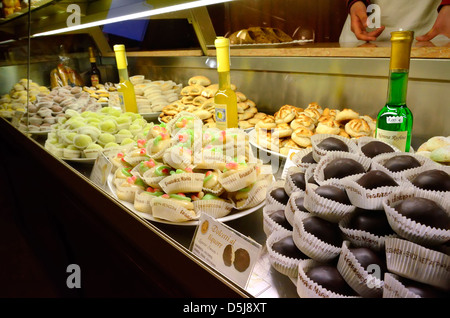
(292, 127)
(257, 35)
(16, 99)
(100, 92)
(198, 98)
(153, 96)
(436, 148)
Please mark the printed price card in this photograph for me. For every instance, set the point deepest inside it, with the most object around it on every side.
(101, 170)
(226, 250)
(289, 163)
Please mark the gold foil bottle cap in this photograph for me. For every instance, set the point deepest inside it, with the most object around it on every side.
(121, 58)
(401, 42)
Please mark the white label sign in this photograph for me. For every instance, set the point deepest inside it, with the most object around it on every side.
(226, 250)
(101, 170)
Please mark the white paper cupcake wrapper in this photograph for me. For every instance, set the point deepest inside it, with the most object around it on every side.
(356, 276)
(277, 184)
(289, 185)
(378, 162)
(209, 160)
(166, 209)
(318, 153)
(327, 159)
(291, 208)
(362, 238)
(152, 181)
(283, 264)
(171, 127)
(240, 179)
(297, 159)
(410, 229)
(214, 208)
(255, 196)
(309, 244)
(142, 202)
(418, 263)
(325, 208)
(306, 288)
(179, 161)
(126, 193)
(410, 175)
(393, 288)
(157, 155)
(182, 182)
(269, 225)
(368, 199)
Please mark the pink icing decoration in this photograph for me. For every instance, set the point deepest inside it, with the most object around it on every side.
(166, 196)
(232, 165)
(150, 163)
(143, 151)
(141, 143)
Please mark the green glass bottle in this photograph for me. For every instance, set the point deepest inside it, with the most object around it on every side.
(395, 120)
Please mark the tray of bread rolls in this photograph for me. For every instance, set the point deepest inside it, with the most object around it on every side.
(198, 98)
(292, 127)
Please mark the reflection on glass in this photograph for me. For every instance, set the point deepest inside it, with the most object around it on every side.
(304, 34)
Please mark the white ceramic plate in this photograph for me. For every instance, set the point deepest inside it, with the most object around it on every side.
(235, 214)
(254, 144)
(38, 132)
(80, 160)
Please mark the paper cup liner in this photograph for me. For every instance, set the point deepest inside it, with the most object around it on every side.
(318, 153)
(235, 180)
(298, 156)
(418, 263)
(283, 264)
(255, 196)
(410, 229)
(368, 199)
(167, 209)
(214, 208)
(152, 181)
(142, 202)
(276, 185)
(327, 159)
(393, 288)
(289, 185)
(218, 189)
(356, 276)
(409, 176)
(327, 209)
(182, 182)
(362, 238)
(310, 172)
(135, 160)
(379, 161)
(291, 208)
(307, 288)
(269, 225)
(309, 244)
(171, 125)
(362, 141)
(160, 153)
(127, 193)
(173, 158)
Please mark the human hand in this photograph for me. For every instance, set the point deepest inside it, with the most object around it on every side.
(358, 16)
(441, 26)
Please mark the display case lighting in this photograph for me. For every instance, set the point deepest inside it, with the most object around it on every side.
(138, 15)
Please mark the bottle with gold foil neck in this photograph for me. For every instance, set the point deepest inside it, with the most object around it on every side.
(225, 99)
(125, 89)
(95, 72)
(395, 120)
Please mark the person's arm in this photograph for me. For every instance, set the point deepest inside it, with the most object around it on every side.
(441, 25)
(358, 15)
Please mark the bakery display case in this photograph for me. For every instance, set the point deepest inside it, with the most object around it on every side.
(114, 173)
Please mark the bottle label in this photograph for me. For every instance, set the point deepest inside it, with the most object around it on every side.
(121, 101)
(395, 138)
(394, 120)
(221, 113)
(94, 80)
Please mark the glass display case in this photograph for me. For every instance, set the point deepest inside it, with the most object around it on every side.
(282, 53)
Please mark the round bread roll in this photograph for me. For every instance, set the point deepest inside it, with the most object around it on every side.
(210, 90)
(285, 114)
(199, 80)
(267, 122)
(303, 120)
(346, 115)
(328, 126)
(302, 137)
(357, 128)
(316, 107)
(313, 113)
(283, 130)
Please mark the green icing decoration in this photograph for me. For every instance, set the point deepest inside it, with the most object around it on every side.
(125, 172)
(157, 140)
(210, 196)
(159, 171)
(247, 189)
(156, 194)
(208, 178)
(179, 197)
(140, 182)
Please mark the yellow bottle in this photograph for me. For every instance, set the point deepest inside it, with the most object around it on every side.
(225, 99)
(127, 97)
